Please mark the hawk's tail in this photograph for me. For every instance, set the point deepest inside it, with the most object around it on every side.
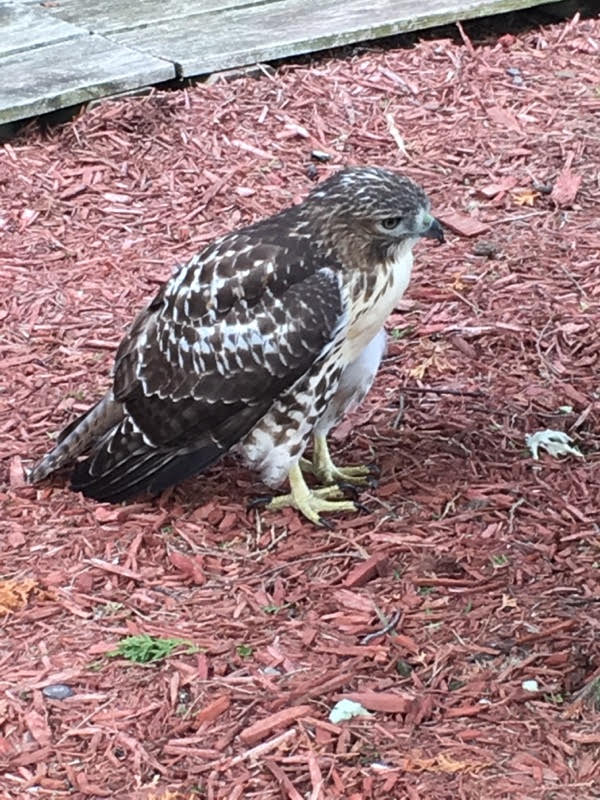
(125, 462)
(123, 466)
(77, 437)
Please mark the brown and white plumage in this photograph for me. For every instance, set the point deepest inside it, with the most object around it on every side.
(248, 344)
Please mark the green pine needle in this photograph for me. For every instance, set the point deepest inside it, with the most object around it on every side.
(146, 649)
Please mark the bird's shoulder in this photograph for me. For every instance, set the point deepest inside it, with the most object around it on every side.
(244, 267)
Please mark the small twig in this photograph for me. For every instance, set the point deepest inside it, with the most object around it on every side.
(459, 392)
(506, 220)
(400, 413)
(82, 722)
(261, 749)
(465, 300)
(511, 513)
(573, 279)
(589, 694)
(538, 348)
(388, 626)
(466, 40)
(581, 601)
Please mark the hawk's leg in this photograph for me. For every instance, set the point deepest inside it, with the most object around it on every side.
(311, 502)
(323, 468)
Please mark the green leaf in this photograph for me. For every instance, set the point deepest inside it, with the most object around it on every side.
(401, 333)
(272, 608)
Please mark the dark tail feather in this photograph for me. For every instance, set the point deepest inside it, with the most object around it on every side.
(144, 471)
(78, 436)
(124, 462)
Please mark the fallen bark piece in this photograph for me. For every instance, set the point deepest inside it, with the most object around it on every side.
(462, 224)
(466, 711)
(369, 569)
(501, 186)
(213, 710)
(504, 118)
(267, 725)
(566, 187)
(390, 702)
(16, 474)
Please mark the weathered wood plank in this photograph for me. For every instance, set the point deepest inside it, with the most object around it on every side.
(260, 32)
(23, 28)
(109, 16)
(66, 73)
(47, 63)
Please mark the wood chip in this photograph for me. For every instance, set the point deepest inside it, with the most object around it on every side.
(214, 709)
(361, 574)
(390, 702)
(263, 727)
(567, 185)
(462, 224)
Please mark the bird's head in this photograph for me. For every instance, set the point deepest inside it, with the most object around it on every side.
(373, 210)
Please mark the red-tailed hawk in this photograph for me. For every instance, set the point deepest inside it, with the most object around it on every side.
(263, 339)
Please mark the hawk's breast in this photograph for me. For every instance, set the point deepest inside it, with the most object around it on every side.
(372, 305)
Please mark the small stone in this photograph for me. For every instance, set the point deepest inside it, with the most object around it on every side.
(321, 155)
(271, 671)
(530, 686)
(403, 668)
(347, 709)
(485, 247)
(477, 503)
(57, 691)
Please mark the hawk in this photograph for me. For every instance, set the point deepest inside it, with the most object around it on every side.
(262, 340)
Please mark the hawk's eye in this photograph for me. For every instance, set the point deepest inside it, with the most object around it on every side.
(389, 223)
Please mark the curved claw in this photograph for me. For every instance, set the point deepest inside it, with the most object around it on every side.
(369, 482)
(353, 492)
(348, 488)
(326, 523)
(257, 502)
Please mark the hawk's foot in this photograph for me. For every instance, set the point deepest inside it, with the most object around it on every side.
(327, 473)
(311, 502)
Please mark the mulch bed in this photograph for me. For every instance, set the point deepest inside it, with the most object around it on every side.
(488, 560)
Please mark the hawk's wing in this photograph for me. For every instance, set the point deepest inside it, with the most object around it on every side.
(204, 361)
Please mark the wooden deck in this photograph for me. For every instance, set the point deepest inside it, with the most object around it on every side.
(68, 52)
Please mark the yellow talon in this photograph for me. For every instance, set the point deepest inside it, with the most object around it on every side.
(310, 502)
(323, 468)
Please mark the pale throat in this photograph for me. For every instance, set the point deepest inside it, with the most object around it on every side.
(372, 307)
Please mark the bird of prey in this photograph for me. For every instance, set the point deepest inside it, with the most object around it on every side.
(262, 340)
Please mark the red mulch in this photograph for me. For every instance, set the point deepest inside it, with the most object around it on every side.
(491, 559)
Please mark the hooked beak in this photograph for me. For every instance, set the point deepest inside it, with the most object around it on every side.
(434, 230)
